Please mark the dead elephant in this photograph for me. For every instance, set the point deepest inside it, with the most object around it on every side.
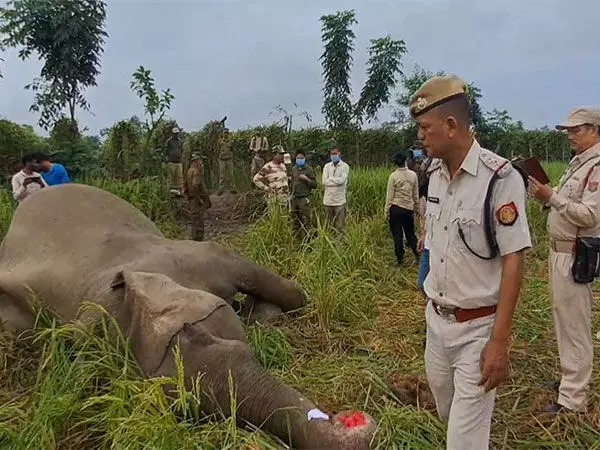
(75, 243)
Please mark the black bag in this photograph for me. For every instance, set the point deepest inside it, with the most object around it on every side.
(586, 264)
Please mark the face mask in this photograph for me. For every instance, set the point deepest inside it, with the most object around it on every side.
(335, 158)
(300, 162)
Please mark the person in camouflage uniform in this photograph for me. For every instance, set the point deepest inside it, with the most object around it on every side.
(173, 148)
(225, 163)
(198, 198)
(303, 183)
(273, 179)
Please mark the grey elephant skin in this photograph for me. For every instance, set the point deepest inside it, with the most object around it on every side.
(75, 243)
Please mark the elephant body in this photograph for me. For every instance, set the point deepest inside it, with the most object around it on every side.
(74, 243)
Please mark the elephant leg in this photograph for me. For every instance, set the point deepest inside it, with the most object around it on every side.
(14, 317)
(261, 399)
(262, 284)
(258, 311)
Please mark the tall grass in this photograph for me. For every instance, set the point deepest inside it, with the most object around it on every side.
(364, 321)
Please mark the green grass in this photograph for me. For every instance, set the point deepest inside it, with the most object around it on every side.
(364, 321)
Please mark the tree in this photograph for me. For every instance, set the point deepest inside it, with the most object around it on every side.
(156, 106)
(68, 36)
(382, 68)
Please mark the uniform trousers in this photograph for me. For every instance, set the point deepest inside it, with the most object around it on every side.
(402, 222)
(300, 212)
(452, 357)
(175, 175)
(197, 214)
(336, 216)
(572, 310)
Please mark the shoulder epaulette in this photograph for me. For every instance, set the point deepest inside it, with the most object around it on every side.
(435, 165)
(495, 163)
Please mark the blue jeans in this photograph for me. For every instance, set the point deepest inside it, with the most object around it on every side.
(423, 268)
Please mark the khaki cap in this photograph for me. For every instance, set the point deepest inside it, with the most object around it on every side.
(434, 92)
(278, 150)
(580, 116)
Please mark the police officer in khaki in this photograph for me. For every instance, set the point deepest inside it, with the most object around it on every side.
(574, 213)
(475, 276)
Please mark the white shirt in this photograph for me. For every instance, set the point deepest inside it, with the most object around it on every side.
(335, 180)
(457, 277)
(20, 192)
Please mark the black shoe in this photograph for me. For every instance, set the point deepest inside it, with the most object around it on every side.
(554, 408)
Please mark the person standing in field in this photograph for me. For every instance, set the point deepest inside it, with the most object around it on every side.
(52, 173)
(173, 149)
(303, 183)
(401, 205)
(574, 216)
(475, 277)
(225, 163)
(273, 179)
(28, 180)
(335, 182)
(198, 198)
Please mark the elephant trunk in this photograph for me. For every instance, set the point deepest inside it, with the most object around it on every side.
(277, 408)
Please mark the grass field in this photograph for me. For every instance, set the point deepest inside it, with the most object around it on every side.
(365, 321)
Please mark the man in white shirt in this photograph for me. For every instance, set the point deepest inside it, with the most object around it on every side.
(28, 180)
(335, 180)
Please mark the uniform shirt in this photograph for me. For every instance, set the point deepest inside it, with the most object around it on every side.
(56, 175)
(335, 181)
(574, 205)
(174, 150)
(402, 190)
(458, 278)
(301, 189)
(225, 152)
(273, 179)
(21, 192)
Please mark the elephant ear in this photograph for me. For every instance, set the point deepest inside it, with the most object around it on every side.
(158, 309)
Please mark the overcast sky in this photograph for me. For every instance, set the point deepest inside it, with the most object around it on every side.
(241, 58)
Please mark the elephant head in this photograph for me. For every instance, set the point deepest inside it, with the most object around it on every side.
(213, 345)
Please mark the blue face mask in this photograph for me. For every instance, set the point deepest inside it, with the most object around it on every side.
(300, 162)
(335, 158)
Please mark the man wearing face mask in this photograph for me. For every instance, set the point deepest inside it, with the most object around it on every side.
(303, 183)
(574, 217)
(335, 181)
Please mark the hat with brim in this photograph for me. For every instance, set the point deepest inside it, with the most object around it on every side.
(278, 150)
(435, 92)
(580, 116)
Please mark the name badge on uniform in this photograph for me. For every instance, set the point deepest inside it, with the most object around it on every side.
(433, 199)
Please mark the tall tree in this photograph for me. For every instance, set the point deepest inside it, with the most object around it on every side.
(338, 39)
(382, 68)
(68, 36)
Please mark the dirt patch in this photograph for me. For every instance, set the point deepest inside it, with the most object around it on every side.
(412, 390)
(229, 214)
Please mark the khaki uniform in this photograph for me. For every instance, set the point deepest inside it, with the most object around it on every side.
(225, 165)
(459, 279)
(199, 201)
(575, 208)
(273, 180)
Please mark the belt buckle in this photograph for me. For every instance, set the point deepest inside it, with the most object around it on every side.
(447, 312)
